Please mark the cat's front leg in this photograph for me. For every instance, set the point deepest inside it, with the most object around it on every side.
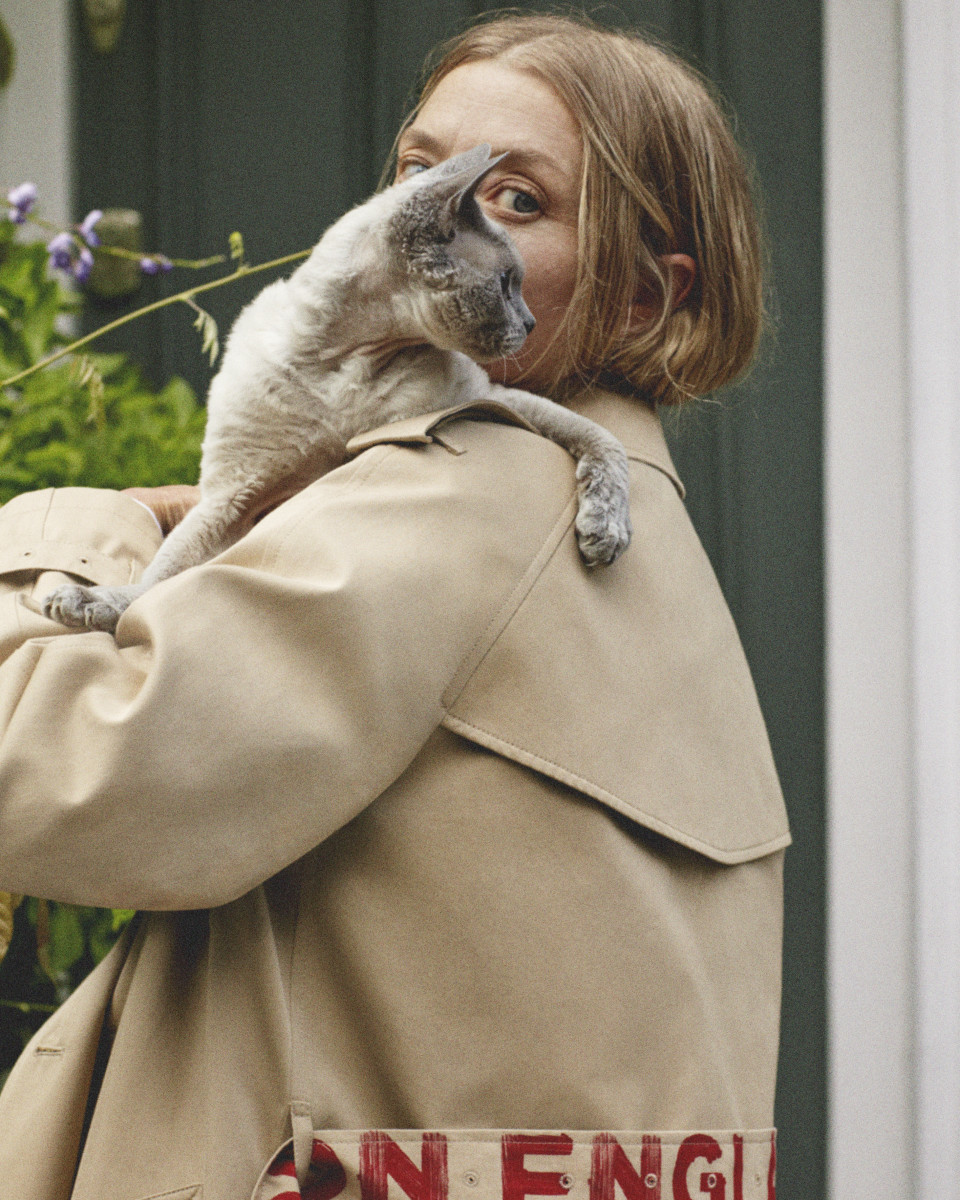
(603, 517)
(83, 607)
(603, 472)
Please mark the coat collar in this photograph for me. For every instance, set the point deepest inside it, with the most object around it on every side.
(633, 421)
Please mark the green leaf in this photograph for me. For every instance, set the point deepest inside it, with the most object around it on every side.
(55, 465)
(210, 335)
(121, 918)
(38, 324)
(86, 374)
(67, 942)
(179, 398)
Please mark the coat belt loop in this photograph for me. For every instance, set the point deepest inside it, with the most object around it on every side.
(302, 1122)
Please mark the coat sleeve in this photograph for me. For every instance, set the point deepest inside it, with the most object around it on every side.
(250, 707)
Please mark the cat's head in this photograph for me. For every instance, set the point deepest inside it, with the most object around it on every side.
(463, 272)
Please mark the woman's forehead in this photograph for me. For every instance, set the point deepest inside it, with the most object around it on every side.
(511, 109)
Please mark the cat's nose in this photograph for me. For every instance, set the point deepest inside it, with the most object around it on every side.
(529, 320)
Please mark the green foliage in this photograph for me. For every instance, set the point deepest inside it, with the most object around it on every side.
(54, 947)
(92, 422)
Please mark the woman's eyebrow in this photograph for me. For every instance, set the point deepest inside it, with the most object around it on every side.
(517, 156)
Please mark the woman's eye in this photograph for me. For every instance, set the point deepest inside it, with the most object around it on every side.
(518, 201)
(412, 167)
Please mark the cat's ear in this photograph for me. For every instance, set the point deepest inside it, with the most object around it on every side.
(465, 210)
(441, 203)
(449, 191)
(455, 191)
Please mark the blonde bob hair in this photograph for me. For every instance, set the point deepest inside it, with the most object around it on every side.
(662, 174)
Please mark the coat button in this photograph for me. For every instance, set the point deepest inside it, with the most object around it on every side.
(471, 1178)
(650, 1180)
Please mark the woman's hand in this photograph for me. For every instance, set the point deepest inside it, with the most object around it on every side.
(168, 504)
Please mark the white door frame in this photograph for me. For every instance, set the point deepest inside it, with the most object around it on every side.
(892, 476)
(35, 110)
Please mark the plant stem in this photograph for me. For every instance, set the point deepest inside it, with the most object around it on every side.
(187, 295)
(25, 1006)
(195, 264)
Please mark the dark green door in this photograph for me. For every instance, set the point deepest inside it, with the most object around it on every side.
(272, 118)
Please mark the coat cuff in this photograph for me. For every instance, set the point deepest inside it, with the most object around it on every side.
(99, 536)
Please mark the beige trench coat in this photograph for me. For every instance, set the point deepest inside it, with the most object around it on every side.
(431, 829)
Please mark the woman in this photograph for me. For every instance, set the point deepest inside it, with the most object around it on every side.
(430, 828)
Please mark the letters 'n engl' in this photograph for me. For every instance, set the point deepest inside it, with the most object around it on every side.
(478, 1164)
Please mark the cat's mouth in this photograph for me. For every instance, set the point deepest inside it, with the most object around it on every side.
(499, 344)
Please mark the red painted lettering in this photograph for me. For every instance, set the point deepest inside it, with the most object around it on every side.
(737, 1167)
(714, 1184)
(772, 1173)
(610, 1166)
(327, 1177)
(698, 1145)
(517, 1180)
(382, 1159)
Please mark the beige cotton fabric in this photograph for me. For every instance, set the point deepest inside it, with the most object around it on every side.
(430, 827)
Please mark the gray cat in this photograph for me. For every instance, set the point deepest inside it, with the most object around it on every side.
(382, 321)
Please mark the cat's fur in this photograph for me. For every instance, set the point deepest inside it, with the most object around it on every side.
(383, 321)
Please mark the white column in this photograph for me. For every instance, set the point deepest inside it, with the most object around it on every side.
(931, 38)
(35, 108)
(871, 945)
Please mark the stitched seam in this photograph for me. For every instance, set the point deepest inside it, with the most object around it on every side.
(47, 506)
(597, 787)
(637, 457)
(291, 978)
(509, 608)
(81, 548)
(46, 513)
(73, 559)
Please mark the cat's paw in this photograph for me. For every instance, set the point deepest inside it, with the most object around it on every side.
(603, 521)
(88, 607)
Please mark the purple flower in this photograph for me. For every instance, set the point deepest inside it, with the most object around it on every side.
(83, 266)
(61, 249)
(154, 263)
(86, 227)
(67, 254)
(21, 199)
